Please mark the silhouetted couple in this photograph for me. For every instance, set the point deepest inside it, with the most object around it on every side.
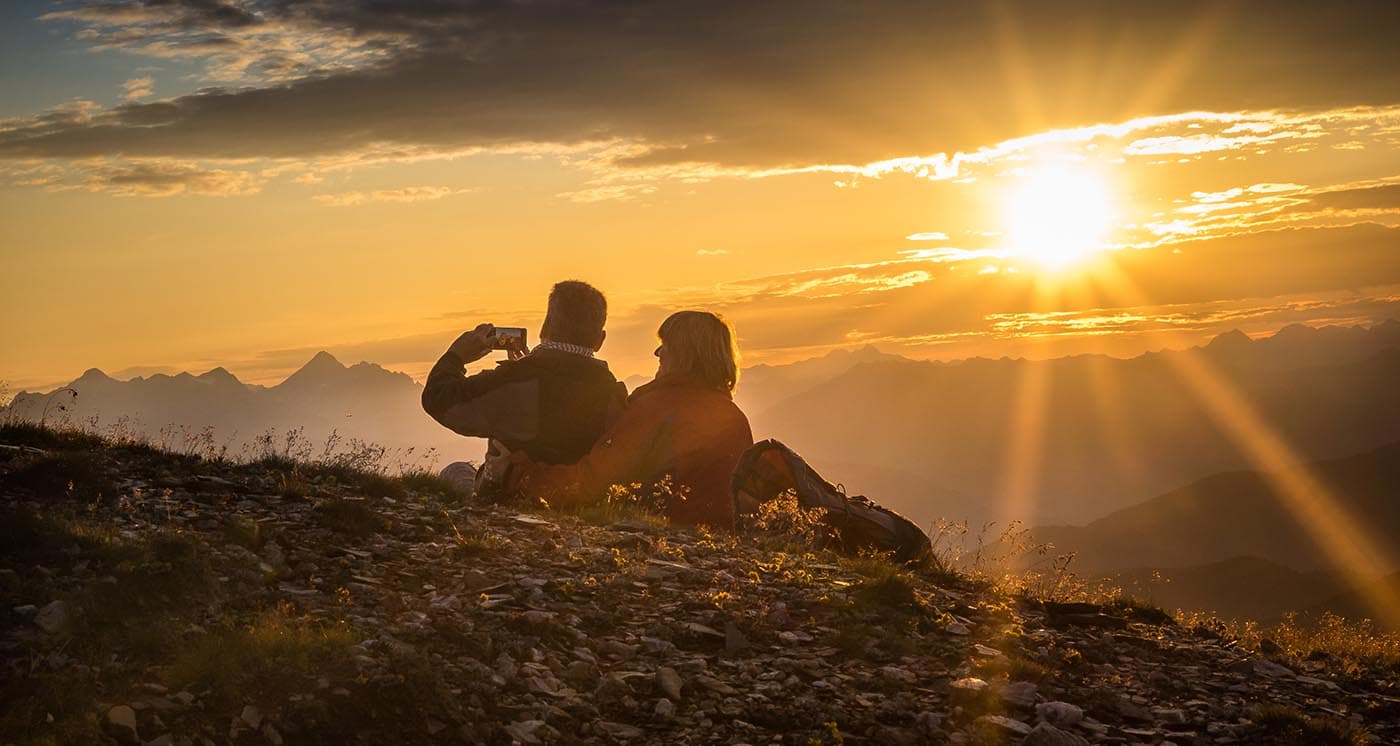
(563, 429)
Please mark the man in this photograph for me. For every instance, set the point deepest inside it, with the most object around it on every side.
(552, 402)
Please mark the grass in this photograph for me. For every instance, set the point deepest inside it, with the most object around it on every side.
(48, 438)
(275, 655)
(632, 502)
(1282, 725)
(350, 516)
(1348, 646)
(62, 475)
(132, 617)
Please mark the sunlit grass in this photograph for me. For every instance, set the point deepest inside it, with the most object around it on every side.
(276, 654)
(1343, 645)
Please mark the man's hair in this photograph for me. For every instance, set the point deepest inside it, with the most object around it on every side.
(577, 313)
(703, 345)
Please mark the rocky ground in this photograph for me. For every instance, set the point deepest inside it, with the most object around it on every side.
(148, 597)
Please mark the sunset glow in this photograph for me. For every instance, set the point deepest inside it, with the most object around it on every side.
(1118, 282)
(1057, 216)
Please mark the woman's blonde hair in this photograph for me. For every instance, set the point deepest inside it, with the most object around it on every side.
(702, 344)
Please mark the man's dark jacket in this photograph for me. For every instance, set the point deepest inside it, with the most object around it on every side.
(551, 404)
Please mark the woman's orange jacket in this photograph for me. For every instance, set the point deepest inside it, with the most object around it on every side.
(673, 426)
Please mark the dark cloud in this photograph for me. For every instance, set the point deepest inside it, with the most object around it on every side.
(160, 179)
(737, 83)
(1385, 197)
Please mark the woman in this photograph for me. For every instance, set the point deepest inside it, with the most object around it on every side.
(683, 425)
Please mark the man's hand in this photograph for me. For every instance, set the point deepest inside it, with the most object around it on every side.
(475, 344)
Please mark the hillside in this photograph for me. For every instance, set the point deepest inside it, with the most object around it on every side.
(1233, 514)
(1235, 588)
(1101, 433)
(161, 598)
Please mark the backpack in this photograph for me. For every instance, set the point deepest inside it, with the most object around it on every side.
(852, 523)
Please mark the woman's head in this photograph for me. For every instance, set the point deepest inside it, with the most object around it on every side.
(702, 345)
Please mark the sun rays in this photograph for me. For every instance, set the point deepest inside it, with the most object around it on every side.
(1057, 215)
(1343, 539)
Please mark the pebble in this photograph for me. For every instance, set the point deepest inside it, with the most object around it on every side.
(1062, 714)
(1048, 735)
(54, 618)
(121, 723)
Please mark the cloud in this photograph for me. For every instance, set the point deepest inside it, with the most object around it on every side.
(929, 236)
(404, 194)
(138, 88)
(732, 83)
(1380, 197)
(149, 178)
(1349, 308)
(712, 252)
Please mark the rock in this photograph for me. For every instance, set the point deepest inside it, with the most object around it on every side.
(966, 690)
(669, 682)
(987, 652)
(893, 736)
(524, 731)
(1020, 694)
(665, 709)
(54, 618)
(957, 628)
(251, 716)
(1062, 714)
(1133, 711)
(999, 726)
(121, 724)
(897, 674)
(620, 731)
(1169, 715)
(1048, 735)
(1269, 669)
(581, 674)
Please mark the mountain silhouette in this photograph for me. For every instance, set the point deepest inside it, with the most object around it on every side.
(1109, 432)
(1237, 513)
(363, 401)
(1234, 588)
(930, 439)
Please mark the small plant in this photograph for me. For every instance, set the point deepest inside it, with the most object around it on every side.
(630, 502)
(474, 542)
(350, 516)
(784, 517)
(889, 587)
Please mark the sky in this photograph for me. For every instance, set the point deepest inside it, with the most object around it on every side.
(187, 184)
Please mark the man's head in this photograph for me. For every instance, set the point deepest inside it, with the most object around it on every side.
(577, 313)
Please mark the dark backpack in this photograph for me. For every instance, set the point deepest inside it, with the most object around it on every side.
(852, 523)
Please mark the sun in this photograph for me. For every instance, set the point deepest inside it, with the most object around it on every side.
(1058, 215)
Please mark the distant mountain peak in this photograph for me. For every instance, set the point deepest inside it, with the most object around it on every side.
(323, 360)
(1233, 339)
(93, 375)
(219, 374)
(321, 368)
(1296, 331)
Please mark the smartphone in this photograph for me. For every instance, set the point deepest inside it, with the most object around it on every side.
(509, 337)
